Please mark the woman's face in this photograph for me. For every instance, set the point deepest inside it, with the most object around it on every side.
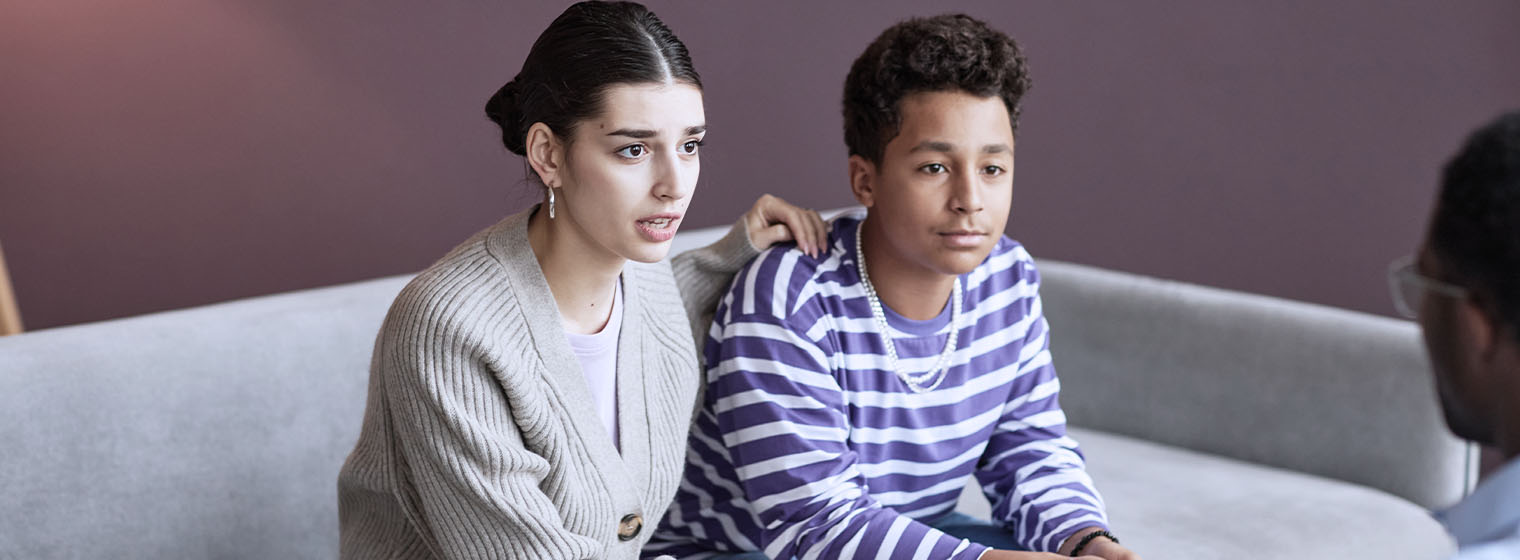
(630, 171)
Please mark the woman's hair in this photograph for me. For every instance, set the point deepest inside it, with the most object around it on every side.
(590, 47)
(942, 53)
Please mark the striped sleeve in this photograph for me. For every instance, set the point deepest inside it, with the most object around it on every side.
(704, 274)
(1032, 472)
(783, 417)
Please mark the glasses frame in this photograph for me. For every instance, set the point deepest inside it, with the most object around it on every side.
(1405, 281)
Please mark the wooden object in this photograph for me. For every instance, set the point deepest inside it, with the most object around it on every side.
(10, 315)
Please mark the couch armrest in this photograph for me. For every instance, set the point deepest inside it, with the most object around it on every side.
(1336, 393)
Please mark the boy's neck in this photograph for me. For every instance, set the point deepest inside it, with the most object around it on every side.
(910, 289)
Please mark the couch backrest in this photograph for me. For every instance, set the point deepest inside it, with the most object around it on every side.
(213, 432)
(218, 431)
(1315, 389)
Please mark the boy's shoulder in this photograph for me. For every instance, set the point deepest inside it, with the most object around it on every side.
(782, 280)
(1008, 257)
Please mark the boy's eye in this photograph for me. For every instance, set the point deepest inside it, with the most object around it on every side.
(993, 170)
(632, 152)
(934, 168)
(691, 147)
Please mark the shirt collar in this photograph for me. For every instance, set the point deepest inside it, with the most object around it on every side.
(1491, 513)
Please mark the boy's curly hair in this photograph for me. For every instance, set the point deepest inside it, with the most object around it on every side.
(942, 53)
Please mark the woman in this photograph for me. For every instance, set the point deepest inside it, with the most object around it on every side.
(530, 393)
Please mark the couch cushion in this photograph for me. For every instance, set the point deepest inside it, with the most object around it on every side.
(1171, 503)
(213, 432)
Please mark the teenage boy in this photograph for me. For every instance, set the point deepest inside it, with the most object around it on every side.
(850, 396)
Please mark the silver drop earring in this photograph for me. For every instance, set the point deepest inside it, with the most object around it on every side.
(551, 203)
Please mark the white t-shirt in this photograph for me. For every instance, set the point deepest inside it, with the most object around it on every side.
(598, 356)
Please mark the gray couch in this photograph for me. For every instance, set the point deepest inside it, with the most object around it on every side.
(1216, 424)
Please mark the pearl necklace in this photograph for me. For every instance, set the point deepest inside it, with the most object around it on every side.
(937, 373)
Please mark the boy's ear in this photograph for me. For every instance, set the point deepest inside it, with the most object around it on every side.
(546, 154)
(863, 180)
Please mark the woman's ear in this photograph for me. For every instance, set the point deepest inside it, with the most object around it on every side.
(863, 180)
(546, 153)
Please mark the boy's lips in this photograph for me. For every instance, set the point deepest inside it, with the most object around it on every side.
(963, 238)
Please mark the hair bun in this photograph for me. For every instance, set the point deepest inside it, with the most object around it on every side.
(505, 110)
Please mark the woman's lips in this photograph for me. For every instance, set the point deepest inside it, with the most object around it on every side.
(659, 227)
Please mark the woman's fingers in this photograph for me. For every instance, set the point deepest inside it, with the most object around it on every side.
(801, 232)
(807, 228)
(821, 229)
(777, 233)
(773, 220)
(813, 229)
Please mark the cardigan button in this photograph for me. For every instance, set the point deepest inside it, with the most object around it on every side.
(629, 528)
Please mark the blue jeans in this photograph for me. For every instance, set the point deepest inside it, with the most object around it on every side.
(959, 525)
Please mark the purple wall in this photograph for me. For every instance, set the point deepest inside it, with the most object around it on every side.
(173, 153)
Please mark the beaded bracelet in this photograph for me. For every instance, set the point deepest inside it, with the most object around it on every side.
(1089, 537)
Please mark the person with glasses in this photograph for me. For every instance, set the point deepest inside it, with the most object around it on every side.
(1463, 287)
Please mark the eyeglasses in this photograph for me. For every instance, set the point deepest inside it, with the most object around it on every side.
(1409, 287)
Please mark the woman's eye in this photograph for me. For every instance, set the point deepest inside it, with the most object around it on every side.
(633, 152)
(933, 168)
(691, 147)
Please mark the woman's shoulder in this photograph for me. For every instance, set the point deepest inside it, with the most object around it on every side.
(464, 291)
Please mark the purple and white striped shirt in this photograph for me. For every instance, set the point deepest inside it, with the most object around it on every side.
(809, 446)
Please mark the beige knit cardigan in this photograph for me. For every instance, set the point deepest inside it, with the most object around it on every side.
(480, 437)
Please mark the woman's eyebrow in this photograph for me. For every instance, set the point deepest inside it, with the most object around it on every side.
(634, 133)
(642, 133)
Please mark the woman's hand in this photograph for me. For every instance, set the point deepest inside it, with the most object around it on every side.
(772, 220)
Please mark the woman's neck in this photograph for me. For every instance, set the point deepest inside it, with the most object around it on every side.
(581, 275)
(909, 289)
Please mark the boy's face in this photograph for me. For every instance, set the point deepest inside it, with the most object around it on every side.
(942, 191)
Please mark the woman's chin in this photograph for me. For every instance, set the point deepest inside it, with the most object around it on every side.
(648, 252)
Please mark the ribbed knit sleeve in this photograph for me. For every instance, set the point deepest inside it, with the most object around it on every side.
(478, 440)
(478, 487)
(703, 275)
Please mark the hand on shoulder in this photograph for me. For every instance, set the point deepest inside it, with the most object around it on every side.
(773, 220)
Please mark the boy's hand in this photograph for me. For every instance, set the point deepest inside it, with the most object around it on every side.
(995, 554)
(1100, 547)
(1108, 550)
